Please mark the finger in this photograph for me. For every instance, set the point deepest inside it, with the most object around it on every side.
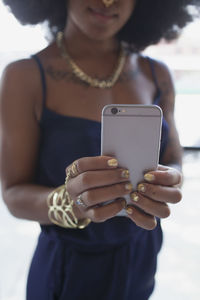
(160, 193)
(100, 195)
(103, 213)
(94, 163)
(167, 177)
(141, 219)
(154, 208)
(94, 179)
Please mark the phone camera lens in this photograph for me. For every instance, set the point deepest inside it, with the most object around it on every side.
(114, 110)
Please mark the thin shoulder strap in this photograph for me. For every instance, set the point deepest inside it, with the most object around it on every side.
(43, 79)
(155, 80)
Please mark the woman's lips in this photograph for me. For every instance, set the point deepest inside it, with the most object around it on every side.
(102, 15)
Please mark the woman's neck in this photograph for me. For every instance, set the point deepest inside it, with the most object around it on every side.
(79, 45)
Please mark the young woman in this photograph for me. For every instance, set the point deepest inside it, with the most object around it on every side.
(51, 168)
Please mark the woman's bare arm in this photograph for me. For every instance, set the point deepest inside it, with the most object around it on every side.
(173, 153)
(19, 142)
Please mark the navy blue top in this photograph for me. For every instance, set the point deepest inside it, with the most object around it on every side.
(110, 260)
(65, 139)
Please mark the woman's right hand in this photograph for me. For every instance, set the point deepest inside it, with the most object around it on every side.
(99, 180)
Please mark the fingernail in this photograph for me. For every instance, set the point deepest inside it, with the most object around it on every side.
(125, 174)
(134, 197)
(129, 187)
(129, 210)
(141, 188)
(149, 177)
(122, 201)
(124, 204)
(112, 162)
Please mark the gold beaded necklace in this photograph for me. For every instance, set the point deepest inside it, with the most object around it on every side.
(94, 82)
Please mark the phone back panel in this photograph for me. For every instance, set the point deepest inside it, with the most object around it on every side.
(133, 137)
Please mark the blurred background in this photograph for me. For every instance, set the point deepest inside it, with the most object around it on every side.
(179, 261)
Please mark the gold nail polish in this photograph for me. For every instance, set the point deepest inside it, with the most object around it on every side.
(125, 174)
(141, 188)
(112, 162)
(134, 197)
(149, 177)
(124, 204)
(129, 187)
(122, 201)
(129, 210)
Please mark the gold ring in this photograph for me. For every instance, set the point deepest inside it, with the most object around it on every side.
(74, 169)
(71, 172)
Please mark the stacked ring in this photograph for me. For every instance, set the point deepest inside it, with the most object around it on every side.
(71, 172)
(74, 169)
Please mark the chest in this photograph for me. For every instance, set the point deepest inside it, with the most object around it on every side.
(67, 95)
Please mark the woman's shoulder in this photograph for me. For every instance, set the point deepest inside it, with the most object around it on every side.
(19, 68)
(27, 65)
(18, 74)
(160, 70)
(19, 84)
(159, 66)
(24, 72)
(152, 69)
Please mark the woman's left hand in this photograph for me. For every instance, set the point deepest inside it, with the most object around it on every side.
(153, 195)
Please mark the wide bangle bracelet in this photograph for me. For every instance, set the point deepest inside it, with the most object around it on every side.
(60, 210)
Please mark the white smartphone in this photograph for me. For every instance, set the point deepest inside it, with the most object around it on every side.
(131, 133)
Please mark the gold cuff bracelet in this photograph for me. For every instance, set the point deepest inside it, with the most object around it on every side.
(61, 210)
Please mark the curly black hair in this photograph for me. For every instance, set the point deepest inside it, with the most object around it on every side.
(150, 21)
